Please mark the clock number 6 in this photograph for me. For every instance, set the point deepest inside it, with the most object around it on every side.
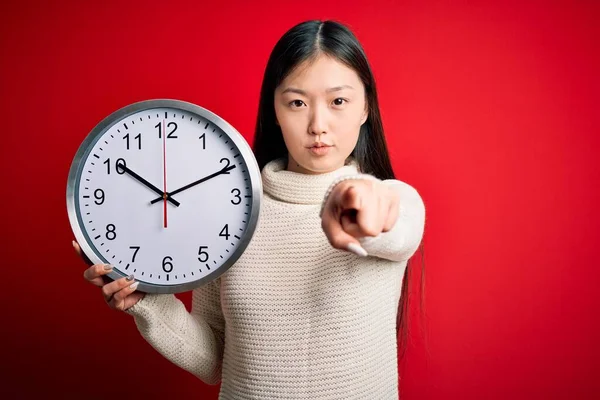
(167, 265)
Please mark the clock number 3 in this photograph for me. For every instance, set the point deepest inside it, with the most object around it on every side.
(237, 196)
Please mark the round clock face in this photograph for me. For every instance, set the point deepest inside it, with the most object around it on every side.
(164, 190)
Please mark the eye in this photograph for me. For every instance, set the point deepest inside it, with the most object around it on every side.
(339, 101)
(296, 103)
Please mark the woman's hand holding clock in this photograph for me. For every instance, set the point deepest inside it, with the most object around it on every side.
(119, 294)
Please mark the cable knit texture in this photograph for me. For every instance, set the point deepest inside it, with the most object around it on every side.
(295, 318)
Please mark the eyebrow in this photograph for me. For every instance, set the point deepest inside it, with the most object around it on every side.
(302, 92)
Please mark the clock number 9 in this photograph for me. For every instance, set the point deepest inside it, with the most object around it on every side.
(120, 163)
(167, 265)
(203, 254)
(170, 135)
(99, 195)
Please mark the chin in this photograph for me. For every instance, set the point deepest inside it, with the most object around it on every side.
(322, 165)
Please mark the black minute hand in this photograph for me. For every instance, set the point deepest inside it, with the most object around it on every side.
(181, 189)
(147, 184)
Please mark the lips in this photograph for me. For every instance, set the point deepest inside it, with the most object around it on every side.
(320, 149)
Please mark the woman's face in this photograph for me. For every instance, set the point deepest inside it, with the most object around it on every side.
(320, 104)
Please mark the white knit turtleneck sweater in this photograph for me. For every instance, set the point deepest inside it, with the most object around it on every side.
(294, 318)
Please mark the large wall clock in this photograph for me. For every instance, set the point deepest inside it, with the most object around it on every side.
(164, 190)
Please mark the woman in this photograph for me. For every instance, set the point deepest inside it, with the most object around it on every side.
(309, 310)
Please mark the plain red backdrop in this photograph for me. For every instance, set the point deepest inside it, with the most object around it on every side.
(490, 110)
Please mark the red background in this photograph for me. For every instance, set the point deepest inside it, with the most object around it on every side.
(491, 112)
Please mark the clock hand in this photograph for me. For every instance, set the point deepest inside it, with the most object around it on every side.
(181, 189)
(164, 175)
(146, 183)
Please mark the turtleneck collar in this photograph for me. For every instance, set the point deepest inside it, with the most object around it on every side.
(298, 188)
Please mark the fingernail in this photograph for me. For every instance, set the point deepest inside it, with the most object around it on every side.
(129, 278)
(134, 285)
(108, 267)
(73, 243)
(357, 249)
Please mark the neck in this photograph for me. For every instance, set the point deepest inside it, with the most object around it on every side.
(299, 188)
(294, 166)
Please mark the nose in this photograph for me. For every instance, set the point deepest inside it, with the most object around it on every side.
(318, 121)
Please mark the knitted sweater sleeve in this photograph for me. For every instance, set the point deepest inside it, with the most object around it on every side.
(191, 340)
(402, 241)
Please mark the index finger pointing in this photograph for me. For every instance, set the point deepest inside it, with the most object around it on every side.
(339, 238)
(351, 199)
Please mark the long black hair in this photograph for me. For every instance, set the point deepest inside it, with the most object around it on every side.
(305, 42)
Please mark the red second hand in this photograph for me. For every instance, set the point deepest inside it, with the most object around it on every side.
(164, 174)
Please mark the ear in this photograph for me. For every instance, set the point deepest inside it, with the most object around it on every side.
(364, 117)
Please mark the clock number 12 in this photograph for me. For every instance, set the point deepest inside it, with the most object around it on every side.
(170, 135)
